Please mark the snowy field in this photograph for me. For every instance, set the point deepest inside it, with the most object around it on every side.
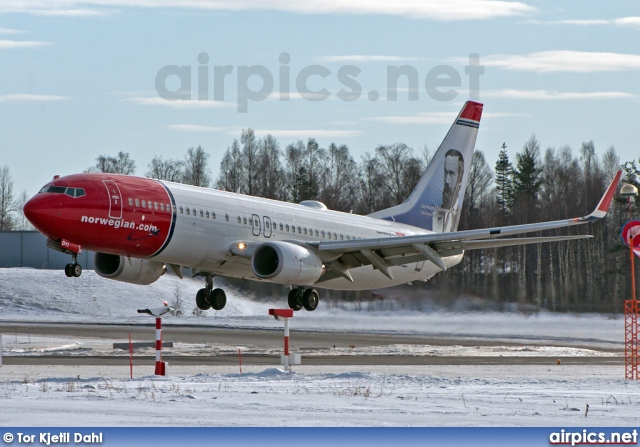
(389, 395)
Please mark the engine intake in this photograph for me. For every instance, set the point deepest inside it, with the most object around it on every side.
(126, 269)
(286, 263)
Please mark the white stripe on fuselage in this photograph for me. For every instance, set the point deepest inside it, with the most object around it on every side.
(203, 243)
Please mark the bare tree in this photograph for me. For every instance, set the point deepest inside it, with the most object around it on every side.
(251, 161)
(293, 157)
(400, 171)
(478, 191)
(21, 222)
(196, 171)
(120, 164)
(338, 183)
(270, 172)
(7, 200)
(170, 170)
(231, 169)
(370, 185)
(610, 162)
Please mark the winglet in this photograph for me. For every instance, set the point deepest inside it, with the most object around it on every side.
(605, 202)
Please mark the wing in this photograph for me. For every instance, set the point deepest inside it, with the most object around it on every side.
(341, 256)
(382, 253)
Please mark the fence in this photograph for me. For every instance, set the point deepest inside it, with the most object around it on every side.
(29, 249)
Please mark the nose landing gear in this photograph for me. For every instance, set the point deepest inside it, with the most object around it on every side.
(74, 269)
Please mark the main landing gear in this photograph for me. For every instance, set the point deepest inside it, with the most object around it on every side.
(209, 297)
(299, 298)
(74, 269)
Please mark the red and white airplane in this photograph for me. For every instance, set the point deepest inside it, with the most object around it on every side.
(139, 227)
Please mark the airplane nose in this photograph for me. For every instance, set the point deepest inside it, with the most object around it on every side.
(34, 211)
(29, 209)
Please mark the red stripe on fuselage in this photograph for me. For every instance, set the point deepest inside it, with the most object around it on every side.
(110, 217)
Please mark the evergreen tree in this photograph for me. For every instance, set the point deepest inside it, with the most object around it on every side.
(527, 178)
(504, 183)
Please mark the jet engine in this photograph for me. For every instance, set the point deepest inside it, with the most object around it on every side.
(286, 263)
(126, 269)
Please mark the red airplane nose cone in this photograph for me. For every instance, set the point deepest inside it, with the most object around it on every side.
(29, 209)
(34, 211)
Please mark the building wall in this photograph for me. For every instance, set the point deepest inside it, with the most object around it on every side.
(29, 249)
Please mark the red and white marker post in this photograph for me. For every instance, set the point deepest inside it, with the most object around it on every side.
(161, 367)
(287, 359)
(159, 363)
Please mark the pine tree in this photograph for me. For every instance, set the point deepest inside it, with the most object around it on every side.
(527, 178)
(504, 183)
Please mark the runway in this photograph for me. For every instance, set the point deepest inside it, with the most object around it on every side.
(314, 346)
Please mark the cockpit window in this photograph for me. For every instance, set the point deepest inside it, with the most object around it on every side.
(56, 189)
(71, 192)
(75, 192)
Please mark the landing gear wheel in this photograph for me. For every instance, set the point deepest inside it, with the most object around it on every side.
(217, 299)
(295, 299)
(202, 299)
(76, 270)
(310, 299)
(73, 270)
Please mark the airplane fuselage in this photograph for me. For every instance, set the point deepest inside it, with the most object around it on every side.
(201, 228)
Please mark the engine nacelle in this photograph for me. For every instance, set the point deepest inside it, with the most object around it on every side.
(286, 263)
(125, 269)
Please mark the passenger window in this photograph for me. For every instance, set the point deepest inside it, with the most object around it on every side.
(256, 223)
(213, 214)
(239, 219)
(207, 213)
(287, 227)
(329, 234)
(335, 236)
(244, 220)
(268, 226)
(161, 206)
(347, 237)
(341, 237)
(201, 213)
(155, 206)
(144, 204)
(280, 227)
(181, 210)
(226, 217)
(130, 201)
(188, 212)
(322, 233)
(305, 231)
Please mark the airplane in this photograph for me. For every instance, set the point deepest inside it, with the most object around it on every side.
(140, 227)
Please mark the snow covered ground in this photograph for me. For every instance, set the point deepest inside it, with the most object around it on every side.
(391, 395)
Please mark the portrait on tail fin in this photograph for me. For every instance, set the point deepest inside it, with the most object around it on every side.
(436, 202)
(449, 211)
